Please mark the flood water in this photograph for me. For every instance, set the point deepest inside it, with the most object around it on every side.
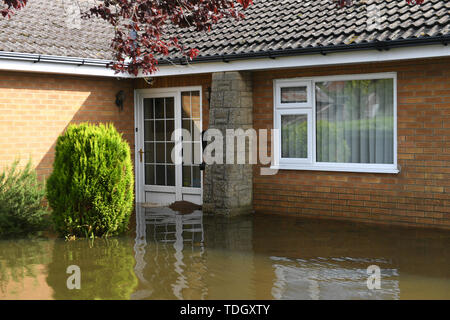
(174, 256)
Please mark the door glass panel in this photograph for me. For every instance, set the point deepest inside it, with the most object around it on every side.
(187, 176)
(169, 149)
(148, 109)
(161, 175)
(159, 125)
(149, 130)
(196, 153)
(149, 152)
(190, 110)
(187, 153)
(170, 127)
(159, 108)
(149, 174)
(170, 108)
(160, 152)
(187, 125)
(159, 130)
(170, 175)
(186, 104)
(196, 177)
(196, 132)
(195, 104)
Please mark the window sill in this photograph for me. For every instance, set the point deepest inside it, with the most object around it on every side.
(368, 169)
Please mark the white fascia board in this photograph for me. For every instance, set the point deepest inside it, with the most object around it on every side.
(60, 68)
(71, 67)
(349, 57)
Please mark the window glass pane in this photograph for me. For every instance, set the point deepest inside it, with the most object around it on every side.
(170, 175)
(160, 152)
(186, 104)
(148, 108)
(149, 153)
(149, 134)
(355, 121)
(161, 175)
(159, 130)
(196, 153)
(195, 104)
(196, 134)
(294, 136)
(294, 94)
(169, 148)
(187, 126)
(159, 108)
(170, 112)
(170, 127)
(196, 177)
(149, 175)
(187, 176)
(188, 156)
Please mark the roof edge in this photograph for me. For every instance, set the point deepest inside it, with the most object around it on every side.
(273, 54)
(40, 63)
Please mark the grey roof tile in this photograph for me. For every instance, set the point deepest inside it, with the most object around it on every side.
(269, 25)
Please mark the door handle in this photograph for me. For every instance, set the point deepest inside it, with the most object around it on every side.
(140, 154)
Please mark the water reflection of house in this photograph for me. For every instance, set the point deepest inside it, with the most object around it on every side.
(172, 263)
(165, 234)
(331, 278)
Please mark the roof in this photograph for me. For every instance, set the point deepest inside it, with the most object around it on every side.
(270, 27)
(48, 28)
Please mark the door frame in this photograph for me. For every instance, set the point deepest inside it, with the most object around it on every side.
(139, 95)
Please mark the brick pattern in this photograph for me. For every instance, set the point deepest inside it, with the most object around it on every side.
(35, 109)
(419, 195)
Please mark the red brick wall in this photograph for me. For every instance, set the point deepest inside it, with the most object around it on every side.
(35, 109)
(418, 195)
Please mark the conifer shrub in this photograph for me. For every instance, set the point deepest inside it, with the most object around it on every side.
(91, 187)
(22, 211)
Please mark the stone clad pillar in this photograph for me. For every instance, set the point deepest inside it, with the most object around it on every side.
(228, 188)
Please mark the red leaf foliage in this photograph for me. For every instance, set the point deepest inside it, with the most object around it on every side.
(10, 5)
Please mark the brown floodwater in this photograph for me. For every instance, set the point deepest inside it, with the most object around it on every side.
(190, 256)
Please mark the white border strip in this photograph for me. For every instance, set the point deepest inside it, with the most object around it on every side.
(349, 57)
(59, 68)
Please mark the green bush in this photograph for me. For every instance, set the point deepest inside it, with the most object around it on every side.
(91, 187)
(21, 202)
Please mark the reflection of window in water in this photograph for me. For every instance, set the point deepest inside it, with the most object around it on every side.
(335, 278)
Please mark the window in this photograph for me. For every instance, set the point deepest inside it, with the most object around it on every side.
(343, 123)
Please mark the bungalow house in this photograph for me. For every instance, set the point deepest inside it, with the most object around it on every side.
(360, 98)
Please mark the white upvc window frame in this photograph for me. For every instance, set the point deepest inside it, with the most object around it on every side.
(290, 84)
(292, 108)
(296, 161)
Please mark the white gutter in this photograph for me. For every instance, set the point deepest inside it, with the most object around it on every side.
(310, 60)
(91, 67)
(13, 61)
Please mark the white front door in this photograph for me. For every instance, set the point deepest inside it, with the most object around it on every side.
(163, 176)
